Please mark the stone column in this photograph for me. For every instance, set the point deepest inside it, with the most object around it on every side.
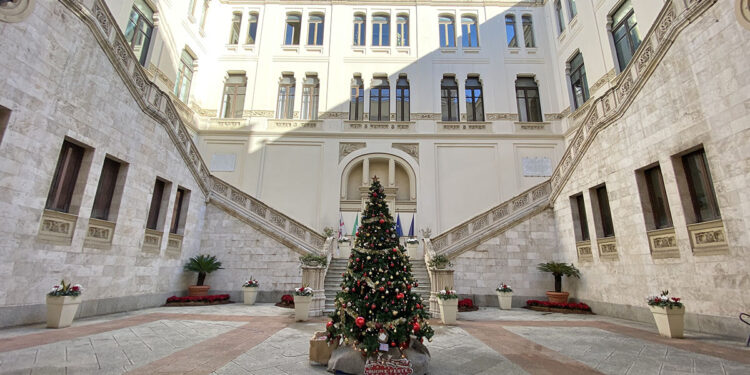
(366, 172)
(439, 280)
(391, 172)
(313, 277)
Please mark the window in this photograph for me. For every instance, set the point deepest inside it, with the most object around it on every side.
(315, 30)
(285, 104)
(560, 17)
(402, 99)
(380, 99)
(191, 9)
(381, 30)
(65, 178)
(657, 198)
(359, 29)
(578, 83)
(139, 29)
(527, 97)
(700, 186)
(579, 218)
(234, 33)
(469, 31)
(625, 34)
(293, 24)
(234, 96)
(310, 89)
(510, 31)
(572, 8)
(402, 30)
(447, 30)
(204, 15)
(106, 190)
(157, 203)
(184, 76)
(474, 102)
(604, 214)
(449, 98)
(180, 211)
(528, 31)
(4, 120)
(252, 28)
(357, 100)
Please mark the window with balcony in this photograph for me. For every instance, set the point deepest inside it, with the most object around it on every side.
(402, 99)
(510, 31)
(527, 98)
(402, 30)
(310, 95)
(315, 30)
(578, 83)
(449, 98)
(625, 34)
(184, 76)
(447, 31)
(380, 99)
(233, 102)
(292, 31)
(357, 99)
(285, 103)
(470, 38)
(381, 30)
(139, 29)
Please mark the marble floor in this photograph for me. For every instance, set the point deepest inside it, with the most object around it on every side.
(264, 339)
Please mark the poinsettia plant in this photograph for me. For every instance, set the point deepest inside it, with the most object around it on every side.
(63, 289)
(447, 294)
(504, 288)
(304, 291)
(252, 283)
(664, 300)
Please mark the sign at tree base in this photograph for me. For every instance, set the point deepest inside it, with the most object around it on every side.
(384, 366)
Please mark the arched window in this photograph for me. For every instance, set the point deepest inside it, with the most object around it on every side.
(527, 97)
(293, 25)
(184, 76)
(474, 100)
(447, 31)
(380, 99)
(510, 31)
(252, 28)
(402, 99)
(234, 32)
(578, 83)
(357, 100)
(528, 31)
(315, 30)
(449, 98)
(139, 29)
(381, 30)
(402, 30)
(625, 34)
(233, 101)
(285, 103)
(469, 31)
(359, 29)
(310, 95)
(560, 17)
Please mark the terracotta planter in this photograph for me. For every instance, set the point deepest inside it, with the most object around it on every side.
(448, 310)
(505, 300)
(61, 311)
(561, 297)
(302, 307)
(198, 291)
(669, 321)
(250, 294)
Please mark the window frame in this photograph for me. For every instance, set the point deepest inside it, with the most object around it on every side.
(559, 16)
(706, 180)
(296, 31)
(604, 211)
(155, 211)
(380, 94)
(360, 30)
(184, 79)
(317, 26)
(580, 220)
(652, 194)
(138, 30)
(528, 40)
(402, 30)
(403, 99)
(285, 99)
(66, 176)
(237, 104)
(357, 101)
(572, 9)
(580, 72)
(469, 22)
(476, 104)
(526, 110)
(179, 211)
(383, 23)
(234, 31)
(105, 189)
(627, 36)
(310, 98)
(446, 30)
(252, 27)
(510, 20)
(447, 101)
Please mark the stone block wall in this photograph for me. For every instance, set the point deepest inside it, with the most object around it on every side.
(696, 96)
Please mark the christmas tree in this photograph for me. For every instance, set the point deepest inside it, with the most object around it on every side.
(376, 308)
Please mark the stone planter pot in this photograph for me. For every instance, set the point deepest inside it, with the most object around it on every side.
(670, 322)
(448, 310)
(198, 290)
(250, 294)
(302, 308)
(559, 297)
(61, 310)
(411, 249)
(345, 249)
(505, 299)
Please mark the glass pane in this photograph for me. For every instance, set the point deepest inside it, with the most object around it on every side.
(528, 33)
(289, 34)
(635, 37)
(573, 9)
(443, 35)
(479, 108)
(311, 34)
(465, 39)
(252, 32)
(375, 34)
(319, 41)
(386, 37)
(535, 110)
(510, 31)
(474, 35)
(582, 221)
(451, 36)
(522, 110)
(606, 217)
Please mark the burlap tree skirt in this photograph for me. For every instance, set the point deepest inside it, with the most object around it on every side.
(350, 361)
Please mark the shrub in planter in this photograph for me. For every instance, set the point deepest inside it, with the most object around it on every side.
(250, 291)
(448, 302)
(313, 260)
(202, 264)
(440, 262)
(558, 270)
(558, 305)
(62, 304)
(302, 299)
(669, 314)
(467, 304)
(504, 296)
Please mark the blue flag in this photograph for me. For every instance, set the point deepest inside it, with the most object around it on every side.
(411, 227)
(399, 232)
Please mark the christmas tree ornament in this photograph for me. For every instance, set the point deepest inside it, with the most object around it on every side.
(360, 321)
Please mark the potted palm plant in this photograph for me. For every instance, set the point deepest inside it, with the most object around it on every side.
(250, 291)
(62, 304)
(669, 314)
(558, 270)
(203, 264)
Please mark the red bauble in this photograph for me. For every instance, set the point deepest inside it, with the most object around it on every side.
(381, 221)
(404, 345)
(400, 296)
(381, 289)
(416, 327)
(357, 261)
(393, 343)
(329, 324)
(360, 321)
(373, 306)
(374, 194)
(418, 306)
(408, 286)
(391, 264)
(357, 234)
(395, 249)
(389, 283)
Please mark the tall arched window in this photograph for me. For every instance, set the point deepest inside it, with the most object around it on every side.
(528, 31)
(402, 99)
(234, 32)
(233, 102)
(469, 31)
(381, 30)
(560, 17)
(625, 34)
(402, 30)
(449, 98)
(315, 30)
(357, 99)
(359, 29)
(578, 83)
(510, 31)
(447, 31)
(252, 28)
(310, 95)
(184, 76)
(474, 100)
(527, 97)
(285, 103)
(380, 99)
(293, 25)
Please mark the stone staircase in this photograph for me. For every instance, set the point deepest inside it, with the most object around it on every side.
(332, 283)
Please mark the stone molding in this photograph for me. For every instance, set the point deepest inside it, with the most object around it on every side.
(607, 248)
(16, 10)
(708, 238)
(57, 227)
(174, 245)
(152, 241)
(99, 234)
(583, 248)
(663, 243)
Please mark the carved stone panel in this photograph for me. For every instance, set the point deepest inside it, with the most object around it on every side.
(607, 248)
(99, 233)
(152, 241)
(346, 148)
(708, 238)
(57, 227)
(410, 148)
(174, 245)
(583, 249)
